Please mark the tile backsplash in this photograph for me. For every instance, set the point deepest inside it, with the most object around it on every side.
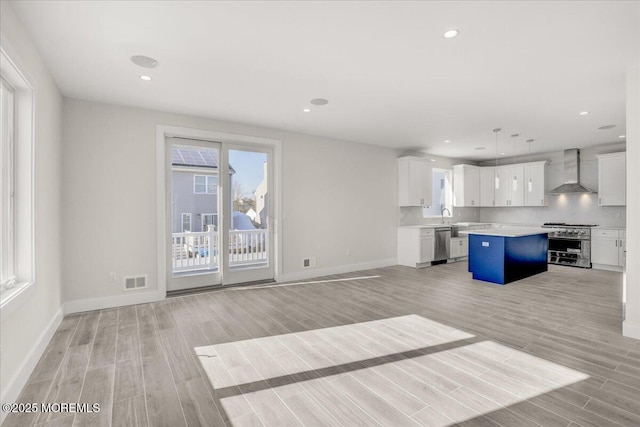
(413, 216)
(574, 208)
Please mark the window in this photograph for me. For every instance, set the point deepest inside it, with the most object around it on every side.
(186, 222)
(17, 270)
(209, 219)
(7, 224)
(205, 184)
(442, 194)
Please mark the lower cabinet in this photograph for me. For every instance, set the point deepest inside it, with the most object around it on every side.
(608, 248)
(415, 246)
(459, 247)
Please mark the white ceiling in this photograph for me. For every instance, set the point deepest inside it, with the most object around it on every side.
(390, 76)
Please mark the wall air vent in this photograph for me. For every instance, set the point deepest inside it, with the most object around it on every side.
(135, 282)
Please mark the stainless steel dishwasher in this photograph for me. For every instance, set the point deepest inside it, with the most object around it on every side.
(442, 242)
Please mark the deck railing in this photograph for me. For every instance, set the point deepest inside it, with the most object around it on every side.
(200, 250)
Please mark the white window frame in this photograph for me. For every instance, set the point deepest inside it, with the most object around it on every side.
(426, 212)
(18, 215)
(206, 184)
(202, 217)
(7, 215)
(195, 191)
(183, 217)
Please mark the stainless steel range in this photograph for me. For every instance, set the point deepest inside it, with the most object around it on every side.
(570, 244)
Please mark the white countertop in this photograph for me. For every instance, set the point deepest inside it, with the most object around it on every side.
(438, 225)
(610, 227)
(509, 231)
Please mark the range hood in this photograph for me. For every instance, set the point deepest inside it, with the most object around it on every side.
(572, 183)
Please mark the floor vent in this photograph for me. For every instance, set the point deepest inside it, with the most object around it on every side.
(136, 282)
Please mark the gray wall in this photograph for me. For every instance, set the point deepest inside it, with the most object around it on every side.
(327, 190)
(185, 201)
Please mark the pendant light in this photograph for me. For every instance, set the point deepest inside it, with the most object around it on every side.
(530, 182)
(515, 177)
(497, 175)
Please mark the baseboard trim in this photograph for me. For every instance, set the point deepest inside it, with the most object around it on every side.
(606, 267)
(79, 306)
(12, 391)
(339, 269)
(631, 329)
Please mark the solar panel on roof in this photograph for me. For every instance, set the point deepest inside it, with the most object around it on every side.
(191, 156)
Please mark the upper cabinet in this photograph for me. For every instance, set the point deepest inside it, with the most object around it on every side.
(509, 185)
(487, 187)
(612, 179)
(414, 181)
(534, 184)
(466, 186)
(520, 184)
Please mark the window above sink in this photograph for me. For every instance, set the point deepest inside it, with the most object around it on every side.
(442, 195)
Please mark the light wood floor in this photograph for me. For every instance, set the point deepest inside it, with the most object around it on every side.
(430, 347)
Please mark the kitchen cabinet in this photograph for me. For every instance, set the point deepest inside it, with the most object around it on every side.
(612, 179)
(459, 247)
(466, 186)
(476, 186)
(414, 180)
(510, 193)
(415, 246)
(487, 187)
(622, 248)
(608, 248)
(534, 184)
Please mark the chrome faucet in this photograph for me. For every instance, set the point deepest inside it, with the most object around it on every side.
(442, 213)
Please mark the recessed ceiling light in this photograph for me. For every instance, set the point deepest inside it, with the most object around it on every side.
(447, 141)
(145, 78)
(307, 110)
(449, 34)
(144, 61)
(479, 148)
(319, 101)
(606, 127)
(584, 113)
(622, 136)
(433, 160)
(502, 154)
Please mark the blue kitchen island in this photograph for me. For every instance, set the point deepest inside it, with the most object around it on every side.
(504, 255)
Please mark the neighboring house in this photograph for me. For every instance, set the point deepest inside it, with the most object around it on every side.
(261, 200)
(194, 177)
(251, 214)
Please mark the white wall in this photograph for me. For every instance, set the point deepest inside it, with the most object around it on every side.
(631, 325)
(336, 196)
(22, 332)
(574, 208)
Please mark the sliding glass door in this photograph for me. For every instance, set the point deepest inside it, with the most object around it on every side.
(219, 214)
(249, 225)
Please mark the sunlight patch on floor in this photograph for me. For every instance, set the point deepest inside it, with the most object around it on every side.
(371, 371)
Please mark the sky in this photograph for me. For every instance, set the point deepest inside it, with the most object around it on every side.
(249, 169)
